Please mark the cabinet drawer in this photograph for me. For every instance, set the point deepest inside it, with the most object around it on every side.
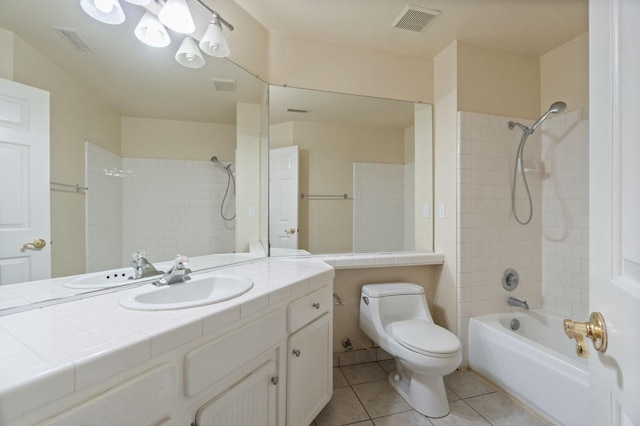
(308, 308)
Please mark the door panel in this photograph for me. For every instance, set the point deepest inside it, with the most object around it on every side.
(24, 183)
(283, 195)
(614, 64)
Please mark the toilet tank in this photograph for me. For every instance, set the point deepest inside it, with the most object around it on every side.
(397, 302)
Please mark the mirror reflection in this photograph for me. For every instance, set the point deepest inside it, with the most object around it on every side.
(160, 148)
(343, 173)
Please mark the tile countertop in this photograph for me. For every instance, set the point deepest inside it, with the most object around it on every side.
(53, 351)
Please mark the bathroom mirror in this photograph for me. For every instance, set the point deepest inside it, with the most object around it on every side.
(358, 161)
(139, 130)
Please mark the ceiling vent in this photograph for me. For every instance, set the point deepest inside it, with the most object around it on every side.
(414, 18)
(74, 39)
(223, 85)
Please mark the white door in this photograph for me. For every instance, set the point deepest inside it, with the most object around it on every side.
(24, 183)
(283, 197)
(614, 67)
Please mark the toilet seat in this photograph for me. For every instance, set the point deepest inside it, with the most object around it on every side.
(425, 338)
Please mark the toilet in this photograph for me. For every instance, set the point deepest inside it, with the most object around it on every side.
(397, 318)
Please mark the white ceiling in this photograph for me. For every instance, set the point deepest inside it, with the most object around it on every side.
(531, 27)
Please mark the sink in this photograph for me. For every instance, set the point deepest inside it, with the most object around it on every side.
(105, 279)
(199, 291)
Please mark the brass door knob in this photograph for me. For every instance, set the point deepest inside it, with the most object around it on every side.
(595, 329)
(290, 231)
(36, 244)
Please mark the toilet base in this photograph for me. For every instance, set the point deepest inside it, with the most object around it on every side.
(426, 394)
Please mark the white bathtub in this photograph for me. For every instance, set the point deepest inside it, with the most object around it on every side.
(536, 364)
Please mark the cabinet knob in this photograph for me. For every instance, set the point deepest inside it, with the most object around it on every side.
(296, 352)
(316, 305)
(275, 380)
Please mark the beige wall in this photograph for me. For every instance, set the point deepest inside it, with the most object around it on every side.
(423, 175)
(327, 154)
(445, 178)
(77, 115)
(564, 75)
(6, 54)
(178, 140)
(248, 42)
(248, 172)
(315, 64)
(347, 285)
(495, 82)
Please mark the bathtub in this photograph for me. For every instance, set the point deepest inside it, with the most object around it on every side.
(536, 364)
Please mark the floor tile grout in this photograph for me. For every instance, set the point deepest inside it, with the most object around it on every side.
(476, 382)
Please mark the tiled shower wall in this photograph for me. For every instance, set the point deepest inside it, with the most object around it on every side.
(173, 206)
(565, 214)
(489, 238)
(103, 177)
(551, 252)
(162, 207)
(378, 207)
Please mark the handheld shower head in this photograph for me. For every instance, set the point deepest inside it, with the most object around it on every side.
(556, 107)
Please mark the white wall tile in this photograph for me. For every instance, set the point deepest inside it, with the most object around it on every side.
(551, 253)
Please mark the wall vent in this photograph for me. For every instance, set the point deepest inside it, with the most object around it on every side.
(224, 85)
(414, 18)
(74, 39)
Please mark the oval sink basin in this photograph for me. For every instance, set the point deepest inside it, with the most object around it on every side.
(199, 291)
(104, 279)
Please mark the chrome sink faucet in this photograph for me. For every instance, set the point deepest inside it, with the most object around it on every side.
(512, 301)
(142, 267)
(178, 273)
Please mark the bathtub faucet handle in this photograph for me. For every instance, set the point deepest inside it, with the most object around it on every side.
(595, 329)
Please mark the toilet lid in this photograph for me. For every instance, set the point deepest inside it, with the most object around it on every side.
(425, 337)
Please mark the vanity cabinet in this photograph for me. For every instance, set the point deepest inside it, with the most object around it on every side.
(272, 368)
(309, 359)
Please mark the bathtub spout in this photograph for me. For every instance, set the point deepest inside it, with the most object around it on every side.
(512, 301)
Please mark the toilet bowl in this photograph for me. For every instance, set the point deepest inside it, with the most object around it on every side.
(396, 317)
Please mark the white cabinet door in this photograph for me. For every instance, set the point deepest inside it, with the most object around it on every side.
(309, 371)
(250, 402)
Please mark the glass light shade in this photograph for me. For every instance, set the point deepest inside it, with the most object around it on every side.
(189, 55)
(213, 42)
(105, 11)
(176, 16)
(151, 32)
(139, 2)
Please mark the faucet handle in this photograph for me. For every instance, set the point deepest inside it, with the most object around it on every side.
(180, 261)
(138, 255)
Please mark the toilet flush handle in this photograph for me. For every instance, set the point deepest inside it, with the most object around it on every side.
(365, 299)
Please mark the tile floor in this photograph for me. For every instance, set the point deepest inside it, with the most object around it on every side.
(363, 397)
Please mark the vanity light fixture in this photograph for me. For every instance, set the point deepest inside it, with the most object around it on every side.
(106, 11)
(213, 42)
(189, 55)
(175, 15)
(151, 32)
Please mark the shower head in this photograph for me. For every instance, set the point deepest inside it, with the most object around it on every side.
(556, 107)
(215, 160)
